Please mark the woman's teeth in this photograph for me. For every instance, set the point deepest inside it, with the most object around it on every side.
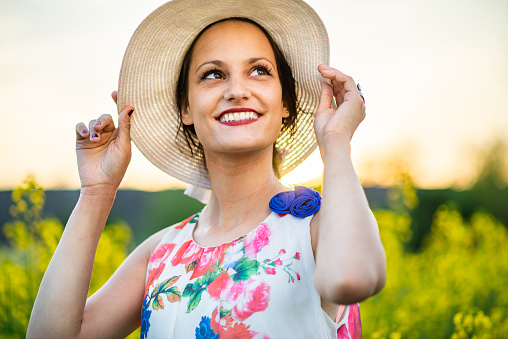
(238, 116)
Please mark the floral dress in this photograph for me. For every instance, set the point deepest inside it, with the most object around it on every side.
(257, 286)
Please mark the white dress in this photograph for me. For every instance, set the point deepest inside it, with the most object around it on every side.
(257, 286)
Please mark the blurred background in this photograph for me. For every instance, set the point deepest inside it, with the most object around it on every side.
(432, 153)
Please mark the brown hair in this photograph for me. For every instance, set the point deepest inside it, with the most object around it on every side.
(287, 83)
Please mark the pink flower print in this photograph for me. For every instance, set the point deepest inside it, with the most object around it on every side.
(256, 240)
(183, 223)
(209, 257)
(270, 270)
(219, 324)
(354, 321)
(282, 251)
(237, 331)
(188, 252)
(342, 332)
(297, 256)
(278, 262)
(153, 275)
(236, 290)
(161, 253)
(297, 276)
(219, 287)
(253, 297)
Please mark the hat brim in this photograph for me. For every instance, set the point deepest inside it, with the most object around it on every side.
(153, 59)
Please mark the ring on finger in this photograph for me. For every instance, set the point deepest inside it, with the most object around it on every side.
(360, 91)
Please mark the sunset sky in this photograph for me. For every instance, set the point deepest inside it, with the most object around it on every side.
(434, 74)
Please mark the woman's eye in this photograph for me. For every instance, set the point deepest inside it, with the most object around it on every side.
(260, 71)
(213, 76)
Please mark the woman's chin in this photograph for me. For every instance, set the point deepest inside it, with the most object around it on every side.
(240, 146)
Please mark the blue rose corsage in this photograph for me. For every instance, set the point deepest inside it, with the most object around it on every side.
(300, 203)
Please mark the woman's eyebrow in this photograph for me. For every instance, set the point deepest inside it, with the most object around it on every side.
(254, 60)
(213, 62)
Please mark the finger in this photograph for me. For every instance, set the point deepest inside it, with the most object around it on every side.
(337, 78)
(94, 134)
(124, 125)
(344, 86)
(81, 131)
(326, 98)
(104, 123)
(114, 95)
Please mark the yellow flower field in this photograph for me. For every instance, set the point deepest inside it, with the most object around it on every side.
(453, 287)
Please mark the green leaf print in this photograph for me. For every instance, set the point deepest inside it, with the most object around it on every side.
(155, 291)
(191, 266)
(245, 269)
(224, 312)
(159, 288)
(209, 277)
(189, 289)
(168, 282)
(173, 294)
(157, 303)
(193, 291)
(195, 298)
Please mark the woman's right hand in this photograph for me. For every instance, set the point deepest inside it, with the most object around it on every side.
(103, 151)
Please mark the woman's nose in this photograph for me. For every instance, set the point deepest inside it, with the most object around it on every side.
(237, 89)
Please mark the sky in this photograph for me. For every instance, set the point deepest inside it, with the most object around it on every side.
(434, 75)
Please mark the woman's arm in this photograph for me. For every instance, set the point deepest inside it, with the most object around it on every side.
(350, 259)
(61, 308)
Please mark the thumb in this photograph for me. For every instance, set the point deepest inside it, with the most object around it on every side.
(124, 124)
(326, 98)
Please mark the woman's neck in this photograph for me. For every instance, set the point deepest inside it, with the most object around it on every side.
(242, 186)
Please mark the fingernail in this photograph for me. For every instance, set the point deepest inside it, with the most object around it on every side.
(85, 132)
(98, 123)
(95, 135)
(130, 113)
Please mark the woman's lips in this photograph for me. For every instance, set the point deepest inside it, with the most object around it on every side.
(241, 122)
(238, 116)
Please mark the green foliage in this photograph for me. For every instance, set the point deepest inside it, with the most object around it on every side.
(402, 196)
(471, 325)
(493, 169)
(32, 241)
(454, 287)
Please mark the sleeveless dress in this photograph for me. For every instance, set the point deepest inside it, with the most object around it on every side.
(257, 286)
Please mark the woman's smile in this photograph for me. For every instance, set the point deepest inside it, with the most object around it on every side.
(238, 116)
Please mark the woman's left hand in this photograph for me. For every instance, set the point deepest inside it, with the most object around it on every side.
(337, 125)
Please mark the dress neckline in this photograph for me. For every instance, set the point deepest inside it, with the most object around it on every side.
(231, 242)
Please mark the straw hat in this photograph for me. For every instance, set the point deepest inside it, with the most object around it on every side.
(152, 63)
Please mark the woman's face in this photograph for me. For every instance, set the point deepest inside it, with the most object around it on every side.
(234, 92)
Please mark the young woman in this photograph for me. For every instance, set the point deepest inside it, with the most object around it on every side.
(234, 83)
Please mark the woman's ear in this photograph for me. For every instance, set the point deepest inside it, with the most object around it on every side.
(186, 116)
(285, 112)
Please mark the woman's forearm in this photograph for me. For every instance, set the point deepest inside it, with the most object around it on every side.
(60, 302)
(350, 259)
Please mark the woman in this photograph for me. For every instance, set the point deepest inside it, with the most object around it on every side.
(236, 269)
